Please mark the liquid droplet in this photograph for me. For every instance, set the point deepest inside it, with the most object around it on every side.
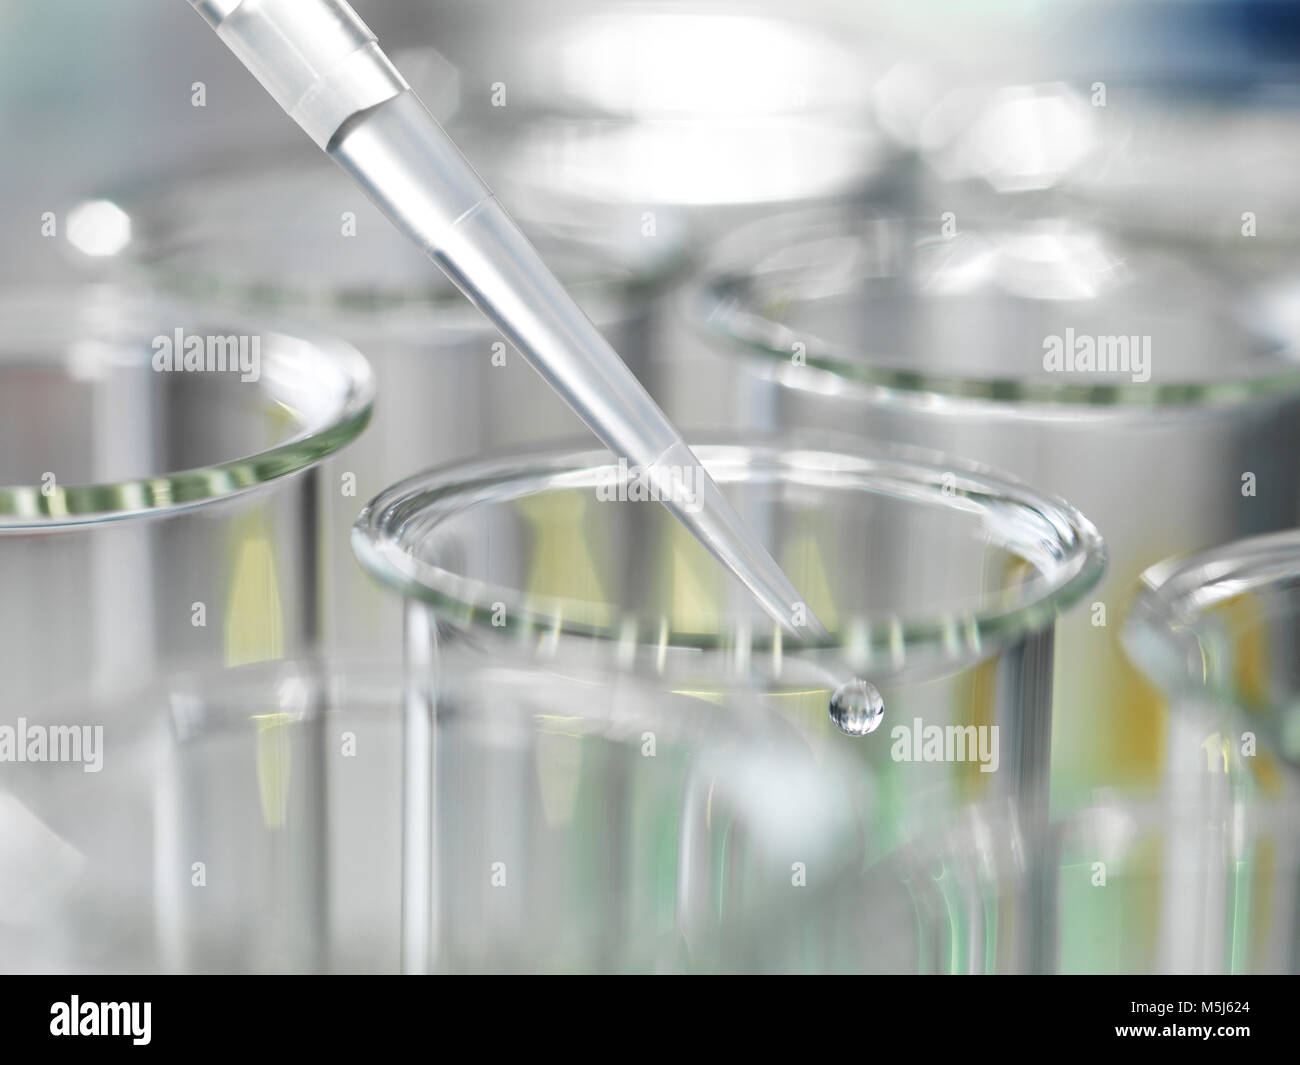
(857, 708)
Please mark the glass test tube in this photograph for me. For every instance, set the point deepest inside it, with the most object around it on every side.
(160, 495)
(1217, 633)
(942, 584)
(1193, 161)
(1125, 885)
(1176, 432)
(252, 821)
(654, 112)
(292, 239)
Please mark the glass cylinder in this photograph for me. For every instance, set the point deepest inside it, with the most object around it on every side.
(1217, 632)
(269, 819)
(1189, 157)
(1124, 886)
(651, 110)
(1128, 382)
(159, 494)
(290, 239)
(1201, 164)
(940, 584)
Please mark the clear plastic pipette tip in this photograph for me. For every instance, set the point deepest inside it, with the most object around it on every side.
(325, 69)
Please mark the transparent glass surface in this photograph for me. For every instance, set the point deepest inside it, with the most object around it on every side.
(98, 424)
(653, 106)
(253, 821)
(1218, 631)
(290, 238)
(1123, 886)
(940, 584)
(893, 331)
(1193, 159)
(1010, 139)
(292, 230)
(152, 515)
(1227, 148)
(887, 303)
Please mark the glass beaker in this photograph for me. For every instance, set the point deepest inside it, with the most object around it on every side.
(1128, 382)
(1126, 885)
(940, 584)
(652, 110)
(158, 488)
(253, 820)
(1217, 632)
(1200, 164)
(1191, 158)
(292, 240)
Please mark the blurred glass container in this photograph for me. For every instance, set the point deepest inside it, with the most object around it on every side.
(1200, 164)
(253, 822)
(718, 111)
(940, 585)
(156, 508)
(1218, 632)
(1205, 166)
(985, 140)
(1125, 886)
(1126, 381)
(291, 238)
(663, 121)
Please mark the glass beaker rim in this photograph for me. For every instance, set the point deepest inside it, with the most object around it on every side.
(721, 308)
(1175, 596)
(65, 326)
(1070, 552)
(180, 242)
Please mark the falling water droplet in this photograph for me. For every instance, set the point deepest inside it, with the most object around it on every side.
(857, 708)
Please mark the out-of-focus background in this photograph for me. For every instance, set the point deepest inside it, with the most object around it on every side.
(95, 95)
(870, 221)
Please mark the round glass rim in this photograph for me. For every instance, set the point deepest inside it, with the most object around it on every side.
(39, 319)
(747, 332)
(165, 264)
(378, 541)
(1174, 594)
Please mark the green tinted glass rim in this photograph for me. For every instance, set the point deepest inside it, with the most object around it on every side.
(28, 509)
(719, 313)
(378, 542)
(1176, 595)
(175, 261)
